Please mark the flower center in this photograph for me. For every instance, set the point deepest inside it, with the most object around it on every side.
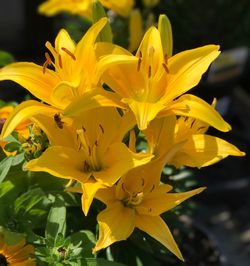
(90, 149)
(133, 198)
(152, 73)
(3, 260)
(57, 64)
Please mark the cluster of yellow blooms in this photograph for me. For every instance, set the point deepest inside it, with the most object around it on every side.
(86, 124)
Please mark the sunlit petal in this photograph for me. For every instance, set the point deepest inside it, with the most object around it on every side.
(116, 223)
(157, 228)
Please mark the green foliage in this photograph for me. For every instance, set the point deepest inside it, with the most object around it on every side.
(5, 58)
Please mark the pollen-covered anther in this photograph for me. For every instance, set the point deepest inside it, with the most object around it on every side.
(165, 68)
(149, 71)
(47, 62)
(139, 61)
(60, 61)
(102, 129)
(69, 53)
(153, 187)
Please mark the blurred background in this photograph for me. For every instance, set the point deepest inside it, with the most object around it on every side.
(222, 216)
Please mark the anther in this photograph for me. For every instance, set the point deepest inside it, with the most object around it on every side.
(165, 68)
(166, 59)
(69, 53)
(149, 71)
(60, 61)
(102, 129)
(153, 187)
(84, 129)
(200, 128)
(150, 210)
(139, 61)
(143, 182)
(186, 118)
(89, 149)
(192, 123)
(96, 143)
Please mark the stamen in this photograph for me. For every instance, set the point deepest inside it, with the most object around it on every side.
(200, 128)
(139, 61)
(102, 129)
(84, 129)
(192, 123)
(60, 61)
(86, 167)
(150, 210)
(96, 143)
(165, 68)
(143, 182)
(153, 187)
(89, 149)
(47, 62)
(185, 119)
(149, 71)
(166, 59)
(69, 53)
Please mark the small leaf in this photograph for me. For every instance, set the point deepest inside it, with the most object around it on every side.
(85, 239)
(56, 222)
(98, 12)
(101, 262)
(5, 58)
(5, 165)
(165, 30)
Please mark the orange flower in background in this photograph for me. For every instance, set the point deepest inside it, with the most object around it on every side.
(22, 128)
(15, 254)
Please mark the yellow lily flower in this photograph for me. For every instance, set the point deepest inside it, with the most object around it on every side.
(16, 255)
(194, 147)
(152, 86)
(97, 157)
(137, 201)
(84, 7)
(70, 77)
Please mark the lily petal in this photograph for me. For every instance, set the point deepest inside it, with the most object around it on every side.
(106, 195)
(116, 223)
(158, 201)
(32, 78)
(57, 160)
(24, 111)
(192, 106)
(186, 69)
(56, 135)
(157, 228)
(144, 111)
(118, 161)
(89, 188)
(203, 150)
(92, 100)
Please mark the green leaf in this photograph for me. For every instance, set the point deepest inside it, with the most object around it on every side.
(98, 12)
(100, 262)
(12, 146)
(56, 222)
(85, 239)
(28, 200)
(5, 165)
(5, 58)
